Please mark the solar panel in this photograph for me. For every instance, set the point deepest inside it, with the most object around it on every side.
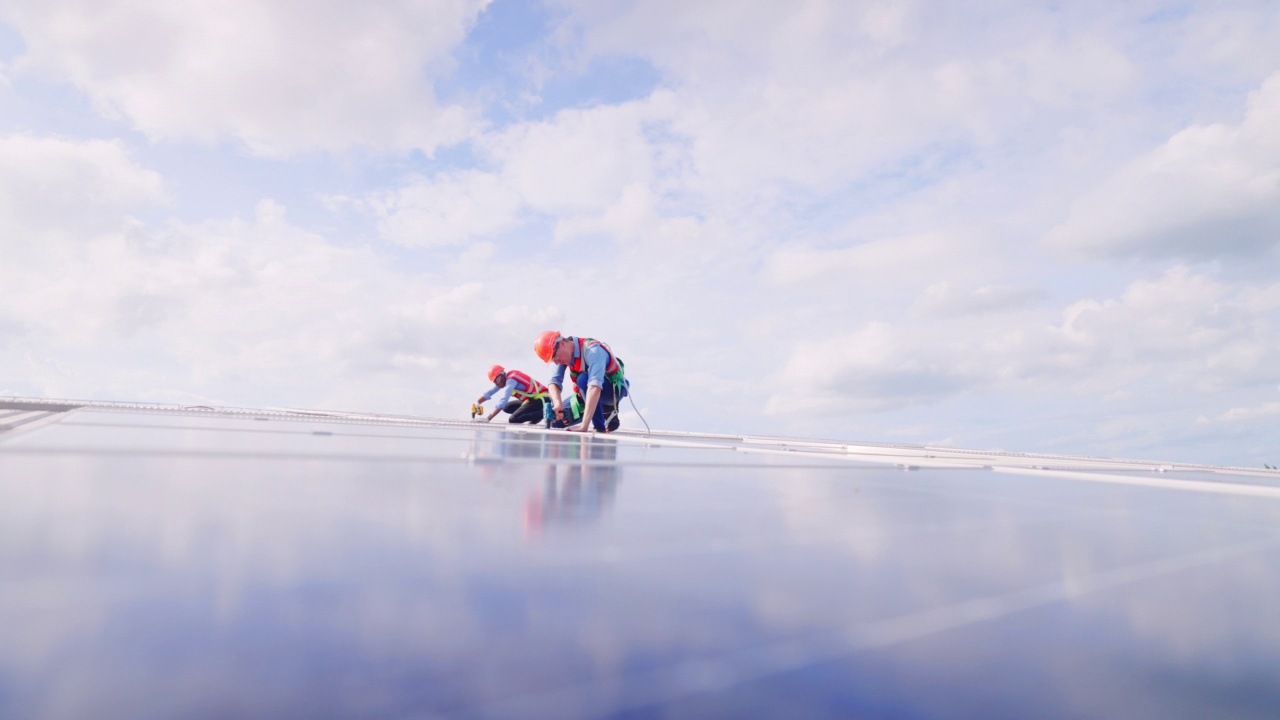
(168, 562)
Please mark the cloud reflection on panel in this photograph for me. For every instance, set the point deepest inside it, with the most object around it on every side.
(253, 584)
(900, 554)
(231, 562)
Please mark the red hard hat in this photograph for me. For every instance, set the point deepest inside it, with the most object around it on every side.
(494, 372)
(545, 345)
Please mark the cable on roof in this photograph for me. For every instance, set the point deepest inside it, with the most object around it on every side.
(647, 431)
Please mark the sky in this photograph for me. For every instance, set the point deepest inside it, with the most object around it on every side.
(1031, 226)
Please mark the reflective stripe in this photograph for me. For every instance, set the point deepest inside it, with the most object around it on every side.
(532, 388)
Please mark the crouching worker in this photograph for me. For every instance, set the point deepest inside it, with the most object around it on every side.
(529, 395)
(596, 373)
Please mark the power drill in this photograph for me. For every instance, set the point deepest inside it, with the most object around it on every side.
(476, 409)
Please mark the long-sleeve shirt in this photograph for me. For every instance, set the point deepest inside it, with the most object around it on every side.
(506, 392)
(597, 362)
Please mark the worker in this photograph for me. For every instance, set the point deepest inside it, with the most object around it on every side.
(597, 374)
(530, 395)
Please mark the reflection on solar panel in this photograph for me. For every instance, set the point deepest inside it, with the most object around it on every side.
(176, 563)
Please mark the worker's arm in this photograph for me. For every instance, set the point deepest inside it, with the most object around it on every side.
(502, 401)
(593, 399)
(488, 394)
(557, 380)
(556, 406)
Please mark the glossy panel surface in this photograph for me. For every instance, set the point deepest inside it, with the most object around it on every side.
(163, 566)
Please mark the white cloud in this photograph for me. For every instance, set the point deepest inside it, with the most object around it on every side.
(1211, 190)
(251, 312)
(879, 260)
(1245, 414)
(281, 76)
(581, 160)
(816, 94)
(1196, 333)
(71, 186)
(1234, 41)
(1182, 333)
(877, 367)
(257, 312)
(945, 300)
(524, 316)
(451, 209)
(576, 167)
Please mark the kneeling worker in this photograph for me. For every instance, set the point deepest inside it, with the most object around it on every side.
(597, 374)
(529, 395)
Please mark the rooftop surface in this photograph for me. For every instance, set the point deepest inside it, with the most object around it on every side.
(169, 562)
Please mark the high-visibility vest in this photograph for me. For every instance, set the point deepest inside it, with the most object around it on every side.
(526, 387)
(578, 365)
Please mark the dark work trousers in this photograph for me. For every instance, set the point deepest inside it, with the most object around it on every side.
(607, 403)
(529, 411)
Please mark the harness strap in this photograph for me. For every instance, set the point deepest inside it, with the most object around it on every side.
(534, 390)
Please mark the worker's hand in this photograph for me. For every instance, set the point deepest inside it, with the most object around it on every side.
(560, 413)
(481, 400)
(581, 427)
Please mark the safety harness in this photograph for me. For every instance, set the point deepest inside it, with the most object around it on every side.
(533, 390)
(614, 372)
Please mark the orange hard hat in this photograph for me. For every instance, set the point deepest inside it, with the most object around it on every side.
(494, 372)
(545, 345)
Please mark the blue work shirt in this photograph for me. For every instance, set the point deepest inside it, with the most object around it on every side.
(597, 363)
(506, 391)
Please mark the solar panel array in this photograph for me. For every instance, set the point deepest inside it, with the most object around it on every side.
(171, 562)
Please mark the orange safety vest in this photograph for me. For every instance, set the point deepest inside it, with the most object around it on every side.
(578, 365)
(533, 389)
